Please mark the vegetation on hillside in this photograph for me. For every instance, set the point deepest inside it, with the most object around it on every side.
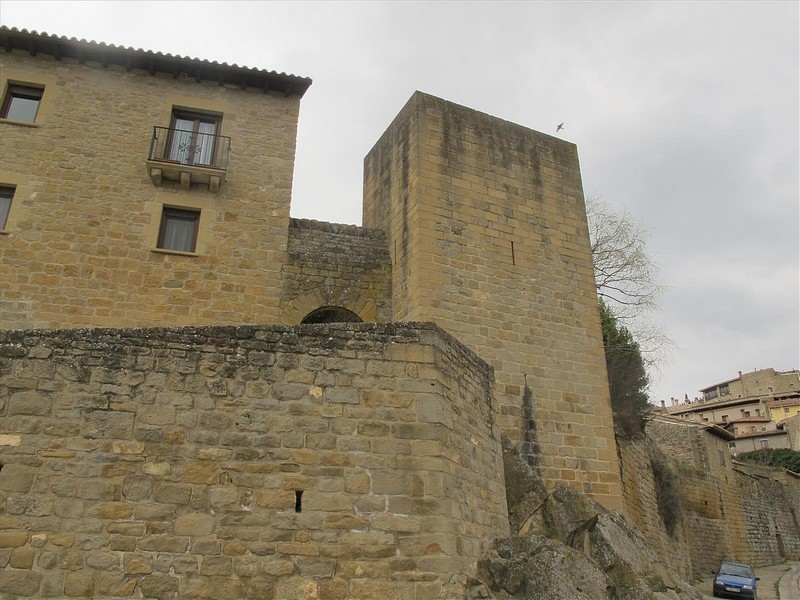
(782, 458)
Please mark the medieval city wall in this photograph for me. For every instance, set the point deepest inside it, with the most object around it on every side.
(487, 231)
(726, 510)
(331, 461)
(79, 248)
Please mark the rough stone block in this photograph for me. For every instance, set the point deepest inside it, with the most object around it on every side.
(172, 493)
(52, 585)
(79, 584)
(176, 545)
(32, 506)
(194, 588)
(24, 584)
(159, 586)
(16, 478)
(434, 409)
(158, 469)
(101, 424)
(342, 396)
(10, 439)
(209, 547)
(29, 403)
(201, 472)
(195, 524)
(111, 510)
(22, 558)
(103, 561)
(388, 483)
(216, 565)
(138, 564)
(13, 539)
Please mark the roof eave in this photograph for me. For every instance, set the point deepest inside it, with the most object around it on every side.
(152, 62)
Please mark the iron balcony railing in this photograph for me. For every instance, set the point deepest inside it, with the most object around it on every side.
(193, 148)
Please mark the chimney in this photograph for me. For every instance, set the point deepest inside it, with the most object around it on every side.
(663, 404)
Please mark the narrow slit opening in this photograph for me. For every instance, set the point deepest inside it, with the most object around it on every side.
(298, 501)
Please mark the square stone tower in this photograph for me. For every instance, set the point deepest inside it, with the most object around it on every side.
(487, 232)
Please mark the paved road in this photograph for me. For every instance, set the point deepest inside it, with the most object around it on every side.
(786, 575)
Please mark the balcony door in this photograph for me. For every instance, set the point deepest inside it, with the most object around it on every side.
(193, 138)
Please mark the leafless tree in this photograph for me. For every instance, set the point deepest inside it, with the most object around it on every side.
(626, 275)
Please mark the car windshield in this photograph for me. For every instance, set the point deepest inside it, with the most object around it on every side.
(737, 570)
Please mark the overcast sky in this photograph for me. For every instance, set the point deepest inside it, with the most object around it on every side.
(685, 115)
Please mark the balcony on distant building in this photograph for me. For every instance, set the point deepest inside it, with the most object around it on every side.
(189, 156)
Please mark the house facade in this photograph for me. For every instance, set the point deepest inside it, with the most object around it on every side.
(761, 382)
(753, 407)
(144, 189)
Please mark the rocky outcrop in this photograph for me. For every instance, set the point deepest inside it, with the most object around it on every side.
(567, 547)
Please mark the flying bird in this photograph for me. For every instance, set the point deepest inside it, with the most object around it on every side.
(560, 127)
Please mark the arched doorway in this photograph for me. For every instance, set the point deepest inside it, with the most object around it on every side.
(331, 314)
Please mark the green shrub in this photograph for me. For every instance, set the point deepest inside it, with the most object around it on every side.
(627, 377)
(781, 458)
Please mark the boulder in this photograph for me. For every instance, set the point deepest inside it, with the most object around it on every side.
(565, 546)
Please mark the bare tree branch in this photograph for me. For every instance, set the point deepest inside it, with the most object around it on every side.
(626, 275)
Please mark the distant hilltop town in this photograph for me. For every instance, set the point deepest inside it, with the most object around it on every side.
(761, 409)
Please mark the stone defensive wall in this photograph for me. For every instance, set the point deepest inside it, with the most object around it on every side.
(329, 264)
(725, 510)
(319, 461)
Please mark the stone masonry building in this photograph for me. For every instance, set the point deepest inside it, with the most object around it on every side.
(296, 424)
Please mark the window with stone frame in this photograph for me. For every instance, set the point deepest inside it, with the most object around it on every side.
(178, 231)
(21, 102)
(6, 198)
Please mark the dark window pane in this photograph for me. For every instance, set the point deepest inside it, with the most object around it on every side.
(22, 103)
(6, 195)
(178, 230)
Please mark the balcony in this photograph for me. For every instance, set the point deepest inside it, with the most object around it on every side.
(188, 157)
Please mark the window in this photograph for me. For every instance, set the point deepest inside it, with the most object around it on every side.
(724, 389)
(711, 394)
(724, 418)
(6, 196)
(764, 443)
(721, 456)
(21, 103)
(786, 411)
(178, 229)
(193, 138)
